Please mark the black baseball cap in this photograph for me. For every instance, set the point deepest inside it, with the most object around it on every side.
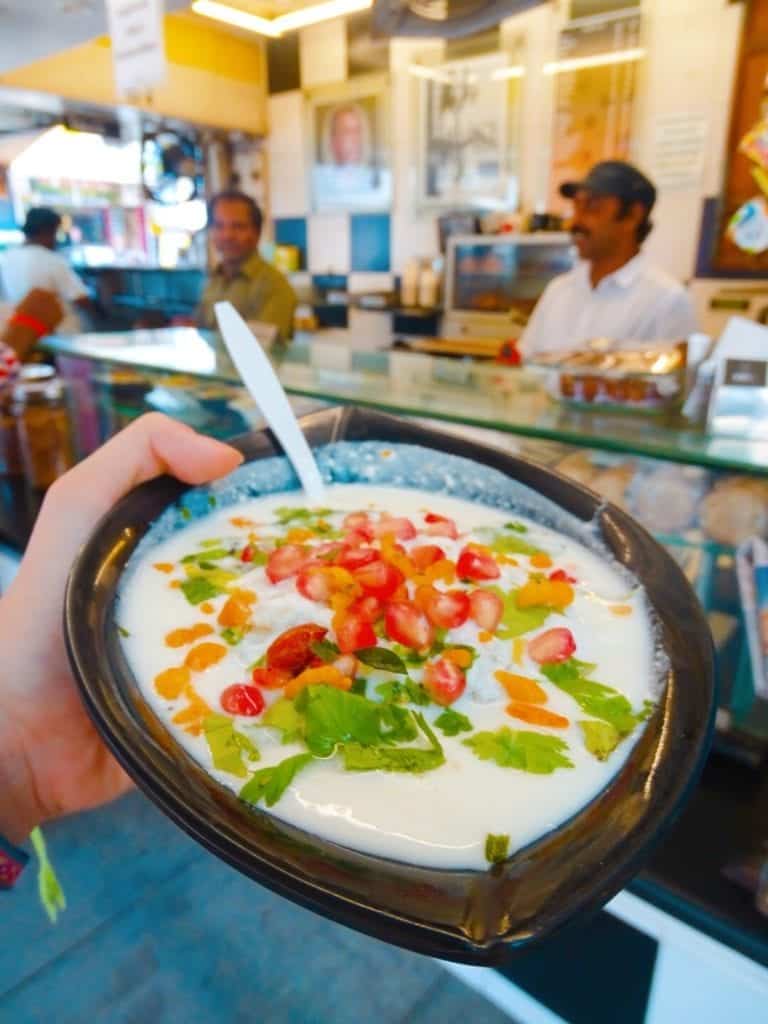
(614, 178)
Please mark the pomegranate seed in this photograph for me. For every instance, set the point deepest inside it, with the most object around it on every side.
(241, 699)
(246, 555)
(561, 576)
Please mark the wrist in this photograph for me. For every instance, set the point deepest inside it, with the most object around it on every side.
(19, 810)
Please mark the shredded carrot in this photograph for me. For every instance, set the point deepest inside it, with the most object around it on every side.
(206, 608)
(182, 637)
(171, 682)
(484, 636)
(506, 560)
(324, 675)
(521, 687)
(191, 718)
(537, 716)
(621, 609)
(518, 650)
(241, 522)
(204, 655)
(298, 534)
(163, 566)
(175, 584)
(236, 612)
(541, 560)
(459, 657)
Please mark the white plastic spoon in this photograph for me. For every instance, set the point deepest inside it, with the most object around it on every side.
(267, 392)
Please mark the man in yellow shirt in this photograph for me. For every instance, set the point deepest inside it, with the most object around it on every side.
(257, 290)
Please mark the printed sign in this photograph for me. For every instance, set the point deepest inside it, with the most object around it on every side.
(138, 45)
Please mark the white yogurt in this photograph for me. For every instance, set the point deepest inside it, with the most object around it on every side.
(442, 817)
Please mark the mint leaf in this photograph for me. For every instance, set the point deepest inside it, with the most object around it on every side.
(600, 738)
(232, 635)
(325, 649)
(335, 716)
(197, 589)
(597, 700)
(383, 659)
(283, 715)
(416, 760)
(496, 848)
(517, 621)
(516, 748)
(270, 783)
(453, 722)
(227, 746)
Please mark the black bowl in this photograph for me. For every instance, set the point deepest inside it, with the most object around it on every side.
(468, 916)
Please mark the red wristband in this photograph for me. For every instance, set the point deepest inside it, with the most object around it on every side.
(27, 320)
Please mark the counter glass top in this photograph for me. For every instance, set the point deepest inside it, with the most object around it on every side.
(456, 390)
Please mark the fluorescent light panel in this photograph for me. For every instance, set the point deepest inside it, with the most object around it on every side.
(275, 27)
(557, 67)
(513, 71)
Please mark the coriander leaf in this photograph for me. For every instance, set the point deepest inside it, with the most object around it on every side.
(403, 691)
(226, 752)
(516, 748)
(270, 783)
(597, 700)
(325, 649)
(517, 527)
(390, 759)
(283, 715)
(600, 738)
(197, 589)
(286, 515)
(248, 747)
(517, 621)
(409, 656)
(417, 694)
(453, 722)
(232, 635)
(504, 544)
(335, 716)
(496, 848)
(209, 555)
(397, 724)
(359, 686)
(48, 886)
(382, 659)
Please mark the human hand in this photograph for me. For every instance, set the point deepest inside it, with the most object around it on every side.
(52, 761)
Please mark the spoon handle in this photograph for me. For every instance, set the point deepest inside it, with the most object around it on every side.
(267, 392)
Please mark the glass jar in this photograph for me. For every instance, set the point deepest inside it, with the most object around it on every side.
(10, 452)
(43, 426)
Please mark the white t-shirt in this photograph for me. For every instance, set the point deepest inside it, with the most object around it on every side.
(34, 266)
(637, 302)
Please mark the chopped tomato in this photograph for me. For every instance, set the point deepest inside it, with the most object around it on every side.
(537, 715)
(379, 579)
(444, 681)
(270, 678)
(285, 561)
(292, 650)
(356, 558)
(241, 699)
(486, 608)
(474, 564)
(447, 609)
(400, 527)
(353, 633)
(552, 646)
(425, 555)
(561, 576)
(408, 625)
(440, 526)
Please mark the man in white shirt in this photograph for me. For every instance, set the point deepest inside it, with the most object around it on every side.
(36, 264)
(613, 292)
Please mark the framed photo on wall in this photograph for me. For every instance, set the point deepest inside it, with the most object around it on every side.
(467, 151)
(348, 132)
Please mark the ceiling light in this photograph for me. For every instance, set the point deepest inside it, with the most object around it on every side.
(513, 71)
(557, 67)
(274, 27)
(420, 71)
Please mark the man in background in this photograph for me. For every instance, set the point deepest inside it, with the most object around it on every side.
(614, 292)
(257, 290)
(36, 264)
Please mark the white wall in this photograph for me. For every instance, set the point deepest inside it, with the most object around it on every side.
(692, 48)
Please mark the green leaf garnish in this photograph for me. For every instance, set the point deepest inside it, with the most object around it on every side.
(334, 717)
(227, 746)
(198, 588)
(517, 621)
(48, 886)
(285, 515)
(206, 556)
(270, 783)
(516, 748)
(382, 659)
(506, 544)
(516, 526)
(597, 700)
(496, 848)
(402, 692)
(232, 635)
(600, 738)
(211, 542)
(359, 758)
(360, 687)
(325, 649)
(283, 715)
(453, 722)
(123, 631)
(397, 724)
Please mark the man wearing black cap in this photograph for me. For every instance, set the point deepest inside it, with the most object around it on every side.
(36, 264)
(613, 292)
